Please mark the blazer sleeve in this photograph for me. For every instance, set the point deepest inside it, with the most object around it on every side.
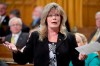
(74, 53)
(28, 52)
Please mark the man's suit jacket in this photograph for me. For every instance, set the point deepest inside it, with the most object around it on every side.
(93, 35)
(39, 51)
(21, 42)
(4, 28)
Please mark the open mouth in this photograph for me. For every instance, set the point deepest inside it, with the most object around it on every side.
(54, 22)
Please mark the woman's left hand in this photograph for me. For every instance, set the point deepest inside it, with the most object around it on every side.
(82, 56)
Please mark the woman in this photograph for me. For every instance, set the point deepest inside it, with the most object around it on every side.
(92, 58)
(51, 45)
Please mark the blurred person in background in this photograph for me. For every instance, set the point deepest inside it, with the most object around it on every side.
(4, 19)
(92, 58)
(16, 13)
(36, 15)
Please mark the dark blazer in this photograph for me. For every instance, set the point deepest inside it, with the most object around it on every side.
(4, 27)
(25, 28)
(21, 42)
(39, 51)
(93, 35)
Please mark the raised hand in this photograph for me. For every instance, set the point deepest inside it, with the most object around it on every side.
(11, 46)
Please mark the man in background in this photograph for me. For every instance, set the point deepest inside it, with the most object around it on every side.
(4, 19)
(16, 13)
(17, 37)
(95, 36)
(36, 16)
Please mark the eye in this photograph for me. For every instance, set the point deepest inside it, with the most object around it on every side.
(50, 15)
(57, 15)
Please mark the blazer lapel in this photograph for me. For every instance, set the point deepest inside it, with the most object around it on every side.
(60, 40)
(9, 38)
(98, 39)
(19, 40)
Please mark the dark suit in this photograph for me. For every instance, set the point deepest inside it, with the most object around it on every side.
(21, 42)
(93, 35)
(4, 28)
(39, 51)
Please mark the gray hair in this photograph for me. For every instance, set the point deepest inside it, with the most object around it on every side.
(15, 18)
(46, 10)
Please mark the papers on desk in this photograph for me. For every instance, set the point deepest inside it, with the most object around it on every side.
(89, 48)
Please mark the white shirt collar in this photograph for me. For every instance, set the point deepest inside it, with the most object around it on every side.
(3, 17)
(16, 34)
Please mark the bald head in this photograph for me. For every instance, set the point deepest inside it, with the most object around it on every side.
(37, 12)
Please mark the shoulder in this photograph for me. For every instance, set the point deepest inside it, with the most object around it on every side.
(8, 36)
(25, 33)
(34, 34)
(92, 56)
(6, 18)
(92, 59)
(71, 39)
(70, 36)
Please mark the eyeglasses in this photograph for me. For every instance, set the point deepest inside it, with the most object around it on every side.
(15, 25)
(51, 15)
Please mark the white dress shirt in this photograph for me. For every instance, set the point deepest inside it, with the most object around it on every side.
(16, 36)
(2, 18)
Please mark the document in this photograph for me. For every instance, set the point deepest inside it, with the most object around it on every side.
(89, 48)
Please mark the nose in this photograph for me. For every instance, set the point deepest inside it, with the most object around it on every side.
(54, 17)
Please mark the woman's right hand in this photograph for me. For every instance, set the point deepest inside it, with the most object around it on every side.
(11, 46)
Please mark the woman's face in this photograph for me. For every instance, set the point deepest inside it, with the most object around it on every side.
(53, 19)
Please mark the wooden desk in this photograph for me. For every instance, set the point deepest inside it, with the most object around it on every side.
(5, 52)
(15, 64)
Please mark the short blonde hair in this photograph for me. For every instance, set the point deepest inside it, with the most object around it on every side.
(43, 26)
(84, 39)
(15, 18)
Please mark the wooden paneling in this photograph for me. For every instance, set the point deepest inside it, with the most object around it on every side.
(25, 7)
(90, 7)
(73, 9)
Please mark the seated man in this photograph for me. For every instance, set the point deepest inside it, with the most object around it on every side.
(4, 19)
(16, 37)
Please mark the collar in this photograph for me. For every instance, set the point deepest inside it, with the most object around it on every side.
(98, 29)
(17, 34)
(2, 18)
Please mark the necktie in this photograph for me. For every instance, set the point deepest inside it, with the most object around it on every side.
(94, 37)
(12, 40)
